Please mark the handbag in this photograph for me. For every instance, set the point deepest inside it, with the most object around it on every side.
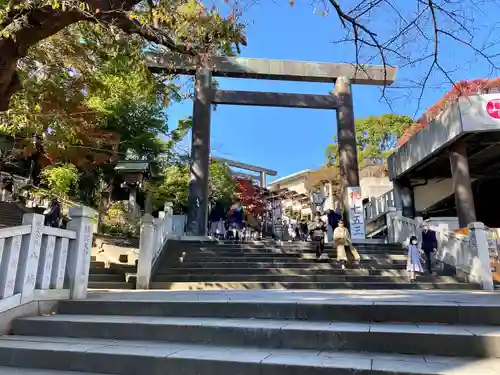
(421, 256)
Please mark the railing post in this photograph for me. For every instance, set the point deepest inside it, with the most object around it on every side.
(418, 230)
(146, 249)
(392, 202)
(480, 270)
(28, 258)
(391, 230)
(79, 251)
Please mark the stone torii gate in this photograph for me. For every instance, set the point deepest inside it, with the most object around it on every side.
(260, 170)
(342, 75)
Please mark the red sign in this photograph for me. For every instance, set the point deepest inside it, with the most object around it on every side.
(493, 108)
(355, 195)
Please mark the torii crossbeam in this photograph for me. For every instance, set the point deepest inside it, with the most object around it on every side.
(343, 75)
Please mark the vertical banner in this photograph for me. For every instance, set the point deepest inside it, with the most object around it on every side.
(355, 213)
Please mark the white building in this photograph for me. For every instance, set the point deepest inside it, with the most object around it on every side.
(297, 196)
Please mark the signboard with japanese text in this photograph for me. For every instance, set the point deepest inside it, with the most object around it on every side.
(355, 213)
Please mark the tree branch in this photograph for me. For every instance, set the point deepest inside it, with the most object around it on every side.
(149, 33)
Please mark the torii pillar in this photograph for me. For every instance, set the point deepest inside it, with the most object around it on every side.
(464, 197)
(197, 216)
(263, 179)
(346, 136)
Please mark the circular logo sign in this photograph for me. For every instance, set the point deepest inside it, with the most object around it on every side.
(493, 108)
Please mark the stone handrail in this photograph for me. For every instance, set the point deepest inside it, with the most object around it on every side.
(460, 255)
(453, 250)
(379, 205)
(154, 236)
(400, 228)
(45, 263)
(466, 256)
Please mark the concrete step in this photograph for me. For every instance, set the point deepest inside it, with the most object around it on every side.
(132, 358)
(259, 285)
(285, 245)
(280, 257)
(245, 306)
(426, 339)
(279, 264)
(110, 285)
(129, 268)
(311, 250)
(104, 270)
(280, 278)
(30, 371)
(331, 270)
(108, 277)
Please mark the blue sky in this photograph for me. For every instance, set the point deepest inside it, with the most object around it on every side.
(289, 140)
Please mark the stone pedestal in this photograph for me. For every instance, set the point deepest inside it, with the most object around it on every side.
(29, 257)
(79, 251)
(132, 201)
(480, 254)
(145, 261)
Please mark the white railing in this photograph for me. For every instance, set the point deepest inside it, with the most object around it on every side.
(467, 256)
(178, 225)
(379, 205)
(154, 236)
(169, 226)
(44, 263)
(400, 228)
(162, 228)
(454, 250)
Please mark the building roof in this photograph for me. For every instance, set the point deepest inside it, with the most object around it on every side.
(290, 177)
(132, 166)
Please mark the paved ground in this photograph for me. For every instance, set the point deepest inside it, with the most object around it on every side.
(320, 296)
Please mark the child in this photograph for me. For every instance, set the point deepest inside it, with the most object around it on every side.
(413, 263)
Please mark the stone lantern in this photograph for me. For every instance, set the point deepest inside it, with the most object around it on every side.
(134, 173)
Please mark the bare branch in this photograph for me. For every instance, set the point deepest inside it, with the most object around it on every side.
(421, 35)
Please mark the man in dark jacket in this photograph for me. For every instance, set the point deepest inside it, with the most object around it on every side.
(333, 222)
(53, 213)
(304, 230)
(333, 219)
(317, 231)
(429, 245)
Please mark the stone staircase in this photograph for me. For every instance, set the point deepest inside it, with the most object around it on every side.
(11, 214)
(260, 333)
(116, 276)
(212, 266)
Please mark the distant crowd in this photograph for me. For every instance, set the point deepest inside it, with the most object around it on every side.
(237, 225)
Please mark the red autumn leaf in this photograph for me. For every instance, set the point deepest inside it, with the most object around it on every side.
(459, 89)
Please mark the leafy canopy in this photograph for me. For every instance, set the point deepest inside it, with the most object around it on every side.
(61, 179)
(376, 136)
(174, 186)
(90, 99)
(179, 26)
